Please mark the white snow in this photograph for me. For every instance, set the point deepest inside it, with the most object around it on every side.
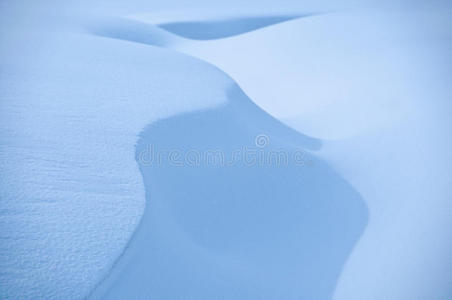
(86, 87)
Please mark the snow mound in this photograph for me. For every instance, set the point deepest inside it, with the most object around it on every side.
(219, 224)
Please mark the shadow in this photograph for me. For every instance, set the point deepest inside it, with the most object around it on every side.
(132, 31)
(168, 34)
(236, 230)
(209, 30)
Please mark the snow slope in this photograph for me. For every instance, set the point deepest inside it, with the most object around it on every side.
(72, 108)
(375, 84)
(80, 81)
(243, 229)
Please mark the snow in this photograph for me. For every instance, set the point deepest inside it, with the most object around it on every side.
(72, 108)
(362, 94)
(239, 229)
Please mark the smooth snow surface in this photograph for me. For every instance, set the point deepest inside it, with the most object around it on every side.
(355, 95)
(204, 232)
